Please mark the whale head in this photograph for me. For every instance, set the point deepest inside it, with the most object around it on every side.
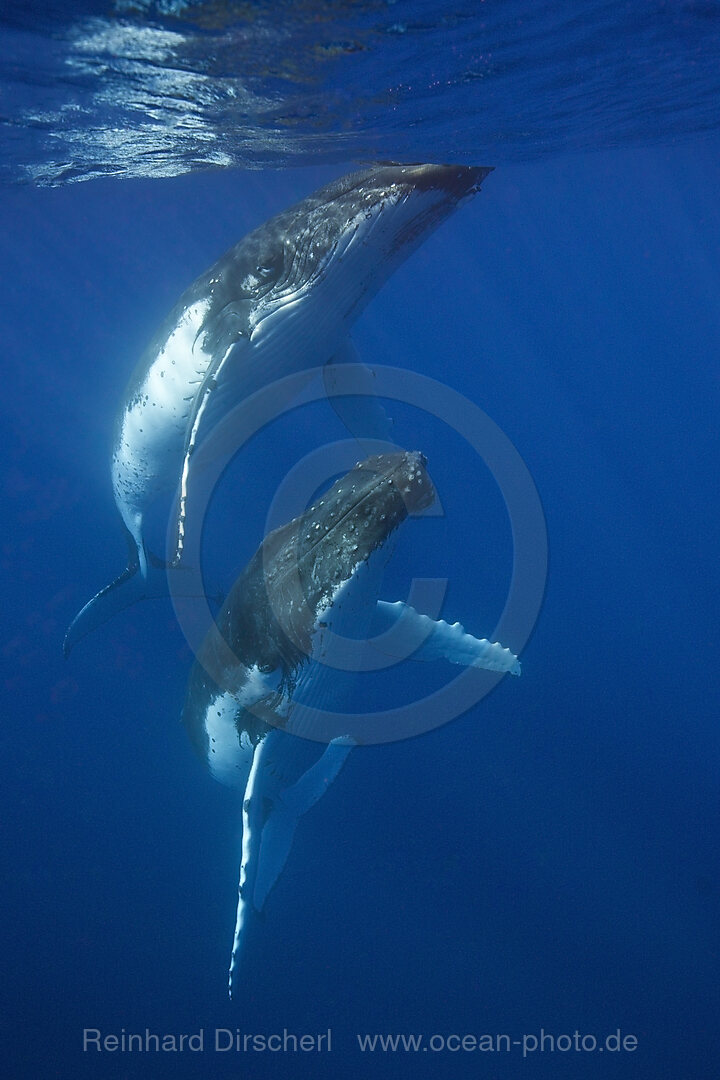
(251, 660)
(274, 607)
(310, 270)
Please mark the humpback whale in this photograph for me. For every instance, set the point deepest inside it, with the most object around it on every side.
(281, 301)
(310, 580)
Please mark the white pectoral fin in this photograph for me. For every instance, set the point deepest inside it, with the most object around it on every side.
(313, 784)
(271, 810)
(251, 832)
(362, 414)
(429, 639)
(209, 404)
(145, 577)
(288, 808)
(125, 590)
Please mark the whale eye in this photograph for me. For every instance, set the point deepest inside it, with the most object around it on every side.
(264, 274)
(261, 276)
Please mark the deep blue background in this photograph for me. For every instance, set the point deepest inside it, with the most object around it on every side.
(549, 860)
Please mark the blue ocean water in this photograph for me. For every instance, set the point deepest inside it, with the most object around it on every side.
(549, 861)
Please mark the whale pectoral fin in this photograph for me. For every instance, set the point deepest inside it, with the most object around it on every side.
(252, 822)
(313, 783)
(118, 595)
(212, 399)
(121, 593)
(289, 807)
(411, 634)
(159, 580)
(277, 839)
(362, 414)
(270, 815)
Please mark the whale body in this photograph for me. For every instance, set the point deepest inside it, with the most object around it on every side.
(281, 301)
(310, 582)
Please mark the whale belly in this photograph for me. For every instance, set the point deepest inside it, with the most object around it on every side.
(229, 752)
(152, 429)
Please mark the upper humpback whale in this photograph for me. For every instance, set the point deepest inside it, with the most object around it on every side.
(280, 301)
(315, 578)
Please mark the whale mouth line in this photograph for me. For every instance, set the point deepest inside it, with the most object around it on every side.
(296, 287)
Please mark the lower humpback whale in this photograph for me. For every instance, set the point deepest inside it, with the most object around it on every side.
(311, 579)
(281, 301)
